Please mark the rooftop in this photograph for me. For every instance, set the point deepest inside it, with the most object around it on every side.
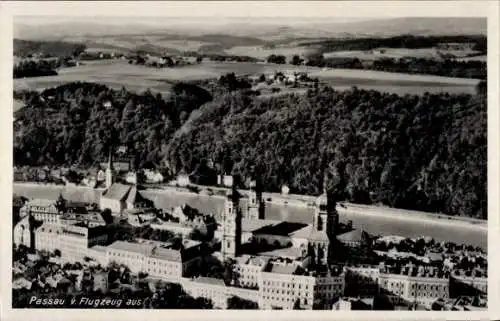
(140, 248)
(281, 228)
(41, 202)
(288, 252)
(166, 254)
(118, 192)
(212, 281)
(283, 268)
(356, 235)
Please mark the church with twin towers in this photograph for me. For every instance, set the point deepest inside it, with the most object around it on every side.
(314, 240)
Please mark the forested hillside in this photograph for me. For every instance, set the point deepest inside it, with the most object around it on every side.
(79, 122)
(417, 152)
(26, 48)
(426, 153)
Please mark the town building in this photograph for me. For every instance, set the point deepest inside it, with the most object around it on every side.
(353, 303)
(354, 238)
(413, 284)
(468, 283)
(153, 176)
(285, 285)
(41, 210)
(158, 259)
(183, 180)
(225, 180)
(248, 269)
(361, 280)
(210, 288)
(72, 240)
(119, 197)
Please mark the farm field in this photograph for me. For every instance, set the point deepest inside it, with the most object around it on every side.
(475, 58)
(262, 53)
(118, 73)
(397, 53)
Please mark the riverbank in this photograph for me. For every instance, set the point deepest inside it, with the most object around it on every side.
(295, 200)
(373, 219)
(303, 201)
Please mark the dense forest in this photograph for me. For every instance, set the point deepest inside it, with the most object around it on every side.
(404, 41)
(80, 122)
(28, 48)
(33, 68)
(417, 152)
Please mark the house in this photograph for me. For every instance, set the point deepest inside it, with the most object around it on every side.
(131, 178)
(354, 238)
(101, 176)
(119, 197)
(122, 150)
(349, 303)
(153, 176)
(89, 181)
(183, 180)
(225, 180)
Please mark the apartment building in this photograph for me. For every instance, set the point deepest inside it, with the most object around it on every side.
(409, 284)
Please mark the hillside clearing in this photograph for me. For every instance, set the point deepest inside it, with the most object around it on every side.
(118, 73)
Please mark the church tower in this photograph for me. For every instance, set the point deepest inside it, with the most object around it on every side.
(256, 206)
(325, 225)
(231, 225)
(109, 172)
(326, 218)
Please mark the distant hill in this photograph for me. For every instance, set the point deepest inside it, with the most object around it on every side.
(262, 29)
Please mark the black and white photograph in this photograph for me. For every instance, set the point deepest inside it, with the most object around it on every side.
(334, 163)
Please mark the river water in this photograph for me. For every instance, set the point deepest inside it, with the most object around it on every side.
(373, 224)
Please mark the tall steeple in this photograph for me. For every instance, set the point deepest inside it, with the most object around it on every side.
(325, 225)
(231, 225)
(256, 206)
(109, 171)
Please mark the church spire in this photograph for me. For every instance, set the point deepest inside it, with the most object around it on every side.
(110, 160)
(109, 171)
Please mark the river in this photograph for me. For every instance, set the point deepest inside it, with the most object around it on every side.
(386, 225)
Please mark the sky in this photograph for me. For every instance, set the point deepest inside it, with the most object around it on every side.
(166, 20)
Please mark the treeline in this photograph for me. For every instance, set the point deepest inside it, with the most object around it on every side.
(403, 41)
(80, 123)
(445, 68)
(33, 68)
(28, 48)
(409, 65)
(415, 152)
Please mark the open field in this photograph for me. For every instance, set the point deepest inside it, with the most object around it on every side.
(118, 73)
(475, 58)
(397, 53)
(262, 53)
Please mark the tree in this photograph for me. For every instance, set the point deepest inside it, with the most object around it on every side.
(296, 305)
(237, 303)
(276, 59)
(296, 60)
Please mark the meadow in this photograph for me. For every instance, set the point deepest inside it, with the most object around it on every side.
(261, 52)
(118, 74)
(397, 53)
